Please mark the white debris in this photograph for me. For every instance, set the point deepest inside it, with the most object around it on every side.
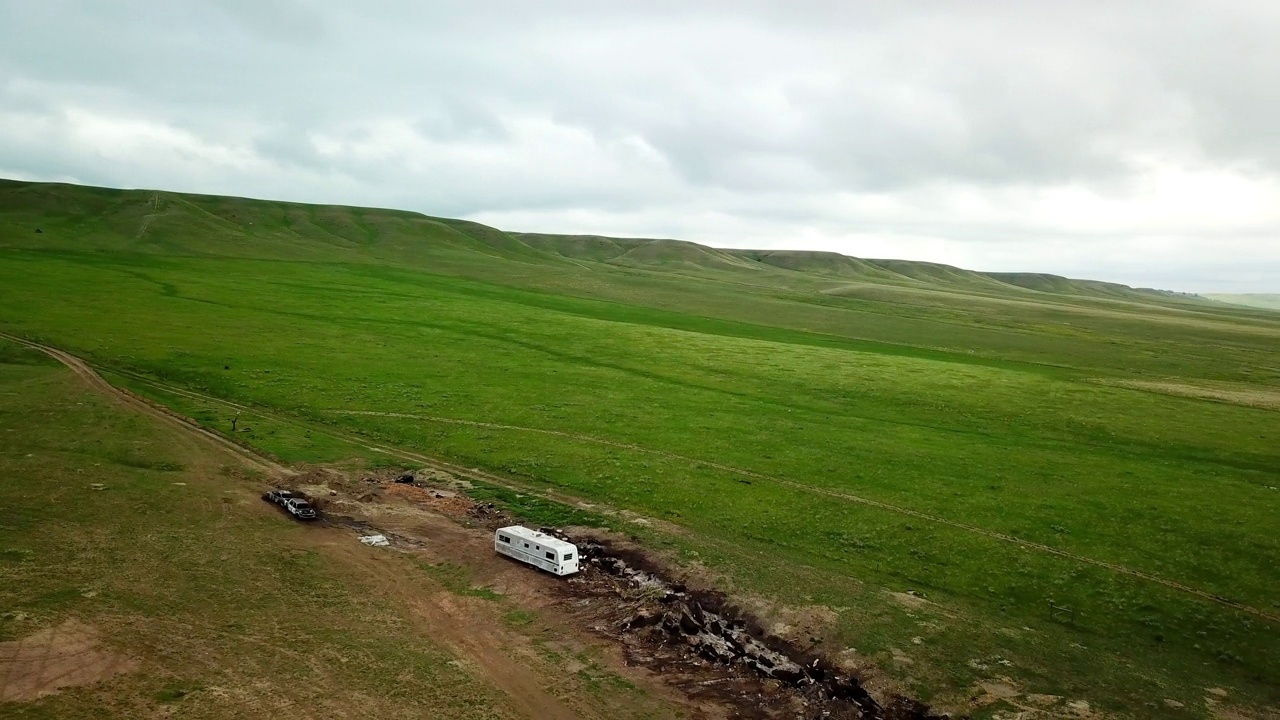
(375, 540)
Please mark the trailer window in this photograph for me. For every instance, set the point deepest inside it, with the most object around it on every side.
(551, 556)
(526, 544)
(505, 539)
(568, 556)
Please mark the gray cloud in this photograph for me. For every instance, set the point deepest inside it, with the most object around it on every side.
(1002, 135)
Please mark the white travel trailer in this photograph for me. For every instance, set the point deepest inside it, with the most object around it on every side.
(538, 549)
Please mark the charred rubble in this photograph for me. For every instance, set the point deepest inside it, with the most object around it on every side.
(706, 626)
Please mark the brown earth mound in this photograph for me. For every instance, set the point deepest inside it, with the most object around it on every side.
(441, 501)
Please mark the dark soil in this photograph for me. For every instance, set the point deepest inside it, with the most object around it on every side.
(710, 648)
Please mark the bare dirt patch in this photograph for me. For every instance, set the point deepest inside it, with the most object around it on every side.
(1004, 692)
(1216, 702)
(465, 625)
(989, 692)
(441, 501)
(1232, 394)
(67, 655)
(800, 625)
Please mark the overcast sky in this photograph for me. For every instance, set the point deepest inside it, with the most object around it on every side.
(1137, 142)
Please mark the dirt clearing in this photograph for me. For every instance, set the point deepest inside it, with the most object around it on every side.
(67, 655)
(675, 638)
(506, 623)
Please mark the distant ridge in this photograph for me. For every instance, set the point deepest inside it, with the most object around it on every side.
(1258, 300)
(820, 262)
(674, 253)
(90, 219)
(1064, 286)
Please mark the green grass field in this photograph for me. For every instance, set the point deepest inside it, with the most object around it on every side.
(824, 432)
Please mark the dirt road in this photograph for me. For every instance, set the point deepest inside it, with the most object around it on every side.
(164, 415)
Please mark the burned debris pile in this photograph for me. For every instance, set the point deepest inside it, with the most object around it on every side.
(705, 628)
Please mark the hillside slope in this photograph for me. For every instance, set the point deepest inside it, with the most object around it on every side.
(83, 219)
(87, 219)
(898, 304)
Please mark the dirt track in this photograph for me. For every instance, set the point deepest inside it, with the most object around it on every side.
(164, 415)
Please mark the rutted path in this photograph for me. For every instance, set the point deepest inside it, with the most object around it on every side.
(159, 412)
(81, 368)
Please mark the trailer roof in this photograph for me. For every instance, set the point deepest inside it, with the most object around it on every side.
(542, 539)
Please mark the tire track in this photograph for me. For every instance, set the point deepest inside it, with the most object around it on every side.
(158, 412)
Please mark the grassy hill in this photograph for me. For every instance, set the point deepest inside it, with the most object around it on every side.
(900, 303)
(98, 219)
(822, 434)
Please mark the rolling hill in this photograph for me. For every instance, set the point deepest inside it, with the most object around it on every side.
(71, 217)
